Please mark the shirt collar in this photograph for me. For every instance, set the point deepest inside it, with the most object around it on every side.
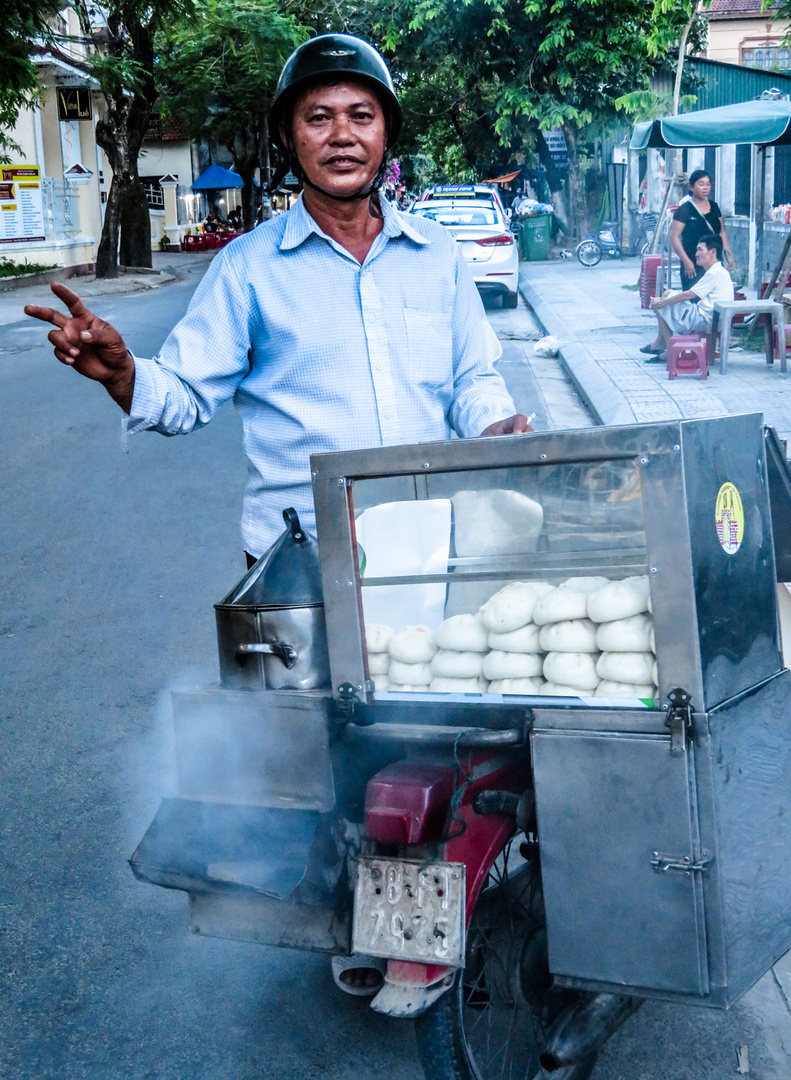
(299, 225)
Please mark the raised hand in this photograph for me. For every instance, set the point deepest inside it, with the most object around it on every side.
(89, 344)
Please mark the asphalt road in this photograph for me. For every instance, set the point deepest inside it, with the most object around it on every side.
(110, 565)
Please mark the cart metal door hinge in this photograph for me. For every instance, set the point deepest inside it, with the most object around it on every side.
(679, 720)
(685, 864)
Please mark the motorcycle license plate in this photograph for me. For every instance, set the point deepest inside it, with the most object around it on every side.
(410, 910)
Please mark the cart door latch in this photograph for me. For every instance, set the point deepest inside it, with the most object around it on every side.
(686, 864)
(679, 720)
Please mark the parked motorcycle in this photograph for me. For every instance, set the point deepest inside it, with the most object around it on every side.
(590, 250)
(605, 242)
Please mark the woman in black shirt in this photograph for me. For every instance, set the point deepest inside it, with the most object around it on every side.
(697, 216)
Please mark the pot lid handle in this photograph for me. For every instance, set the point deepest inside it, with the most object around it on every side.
(292, 521)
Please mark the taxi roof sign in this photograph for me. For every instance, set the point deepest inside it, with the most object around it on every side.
(439, 188)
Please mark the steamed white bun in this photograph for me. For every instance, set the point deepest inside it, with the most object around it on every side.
(462, 633)
(550, 689)
(457, 665)
(573, 635)
(378, 663)
(412, 645)
(377, 636)
(622, 689)
(516, 686)
(509, 608)
(410, 674)
(559, 605)
(525, 639)
(572, 669)
(619, 600)
(458, 686)
(626, 667)
(633, 634)
(505, 665)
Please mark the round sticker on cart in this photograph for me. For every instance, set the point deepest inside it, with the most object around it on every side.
(730, 519)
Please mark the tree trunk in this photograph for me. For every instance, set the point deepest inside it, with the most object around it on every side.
(578, 211)
(682, 49)
(135, 225)
(246, 158)
(248, 204)
(118, 136)
(107, 255)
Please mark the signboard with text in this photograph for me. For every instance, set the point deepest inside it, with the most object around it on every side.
(21, 210)
(74, 103)
(556, 144)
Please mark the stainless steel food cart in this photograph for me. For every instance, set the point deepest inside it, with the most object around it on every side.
(663, 823)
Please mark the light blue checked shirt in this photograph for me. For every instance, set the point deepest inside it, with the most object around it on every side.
(320, 354)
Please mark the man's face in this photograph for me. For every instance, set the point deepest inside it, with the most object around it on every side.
(705, 256)
(339, 136)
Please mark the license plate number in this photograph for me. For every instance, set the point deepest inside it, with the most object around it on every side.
(410, 910)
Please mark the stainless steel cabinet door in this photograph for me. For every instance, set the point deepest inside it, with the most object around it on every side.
(611, 806)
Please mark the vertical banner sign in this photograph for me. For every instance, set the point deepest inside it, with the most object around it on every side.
(21, 211)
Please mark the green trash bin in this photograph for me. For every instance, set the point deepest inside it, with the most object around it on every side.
(535, 239)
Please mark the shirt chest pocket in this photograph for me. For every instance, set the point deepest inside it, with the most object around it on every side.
(429, 337)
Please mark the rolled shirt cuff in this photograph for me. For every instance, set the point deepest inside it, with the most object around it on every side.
(148, 396)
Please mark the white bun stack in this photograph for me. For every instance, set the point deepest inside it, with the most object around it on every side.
(587, 636)
(625, 636)
(377, 638)
(568, 637)
(411, 649)
(457, 666)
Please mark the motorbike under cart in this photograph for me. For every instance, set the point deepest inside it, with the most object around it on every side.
(599, 814)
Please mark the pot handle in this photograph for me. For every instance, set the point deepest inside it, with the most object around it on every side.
(292, 521)
(287, 653)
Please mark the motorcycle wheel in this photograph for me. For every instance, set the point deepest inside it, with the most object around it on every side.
(589, 253)
(492, 1023)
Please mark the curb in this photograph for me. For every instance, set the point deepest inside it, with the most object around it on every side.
(606, 402)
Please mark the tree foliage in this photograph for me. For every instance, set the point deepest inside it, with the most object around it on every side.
(22, 22)
(218, 74)
(484, 79)
(121, 58)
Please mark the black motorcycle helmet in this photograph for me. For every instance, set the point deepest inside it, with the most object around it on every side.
(325, 59)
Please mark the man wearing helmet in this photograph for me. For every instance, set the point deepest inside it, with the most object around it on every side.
(340, 325)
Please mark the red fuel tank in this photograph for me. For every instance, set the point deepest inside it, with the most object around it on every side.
(407, 802)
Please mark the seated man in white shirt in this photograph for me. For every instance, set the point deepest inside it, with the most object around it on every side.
(690, 312)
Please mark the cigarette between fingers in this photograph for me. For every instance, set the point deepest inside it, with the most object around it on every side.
(531, 418)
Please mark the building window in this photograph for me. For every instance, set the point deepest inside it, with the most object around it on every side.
(769, 57)
(744, 169)
(154, 194)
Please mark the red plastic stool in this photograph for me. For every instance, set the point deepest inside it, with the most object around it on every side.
(777, 344)
(688, 354)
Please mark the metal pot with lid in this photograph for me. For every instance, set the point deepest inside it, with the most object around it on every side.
(270, 627)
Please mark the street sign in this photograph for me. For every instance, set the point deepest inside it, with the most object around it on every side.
(556, 144)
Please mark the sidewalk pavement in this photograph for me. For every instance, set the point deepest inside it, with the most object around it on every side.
(601, 327)
(167, 268)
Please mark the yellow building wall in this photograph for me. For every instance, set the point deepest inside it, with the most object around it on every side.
(726, 37)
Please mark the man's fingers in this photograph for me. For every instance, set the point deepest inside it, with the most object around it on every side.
(70, 299)
(520, 424)
(46, 314)
(64, 359)
(61, 340)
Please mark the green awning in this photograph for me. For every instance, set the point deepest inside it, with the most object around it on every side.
(766, 123)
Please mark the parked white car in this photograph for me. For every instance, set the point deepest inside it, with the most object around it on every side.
(481, 229)
(477, 192)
